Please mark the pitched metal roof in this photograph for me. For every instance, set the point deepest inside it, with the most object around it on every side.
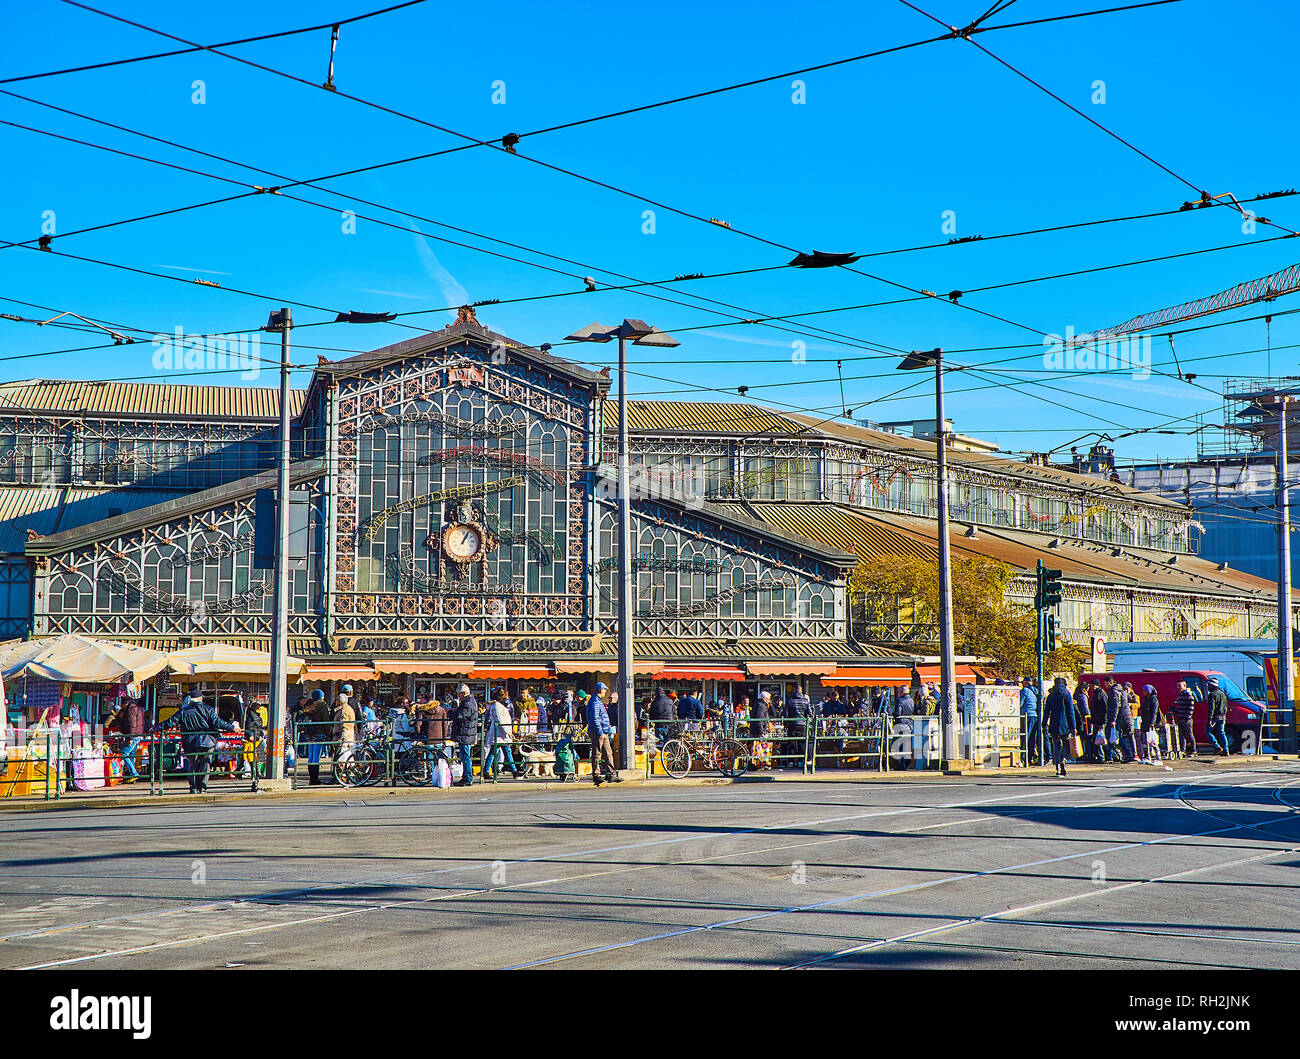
(64, 539)
(163, 400)
(1097, 563)
(24, 507)
(48, 510)
(709, 417)
(848, 529)
(756, 649)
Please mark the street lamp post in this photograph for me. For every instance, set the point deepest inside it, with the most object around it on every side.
(641, 334)
(947, 666)
(281, 321)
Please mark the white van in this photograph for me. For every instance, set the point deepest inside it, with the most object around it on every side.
(1242, 660)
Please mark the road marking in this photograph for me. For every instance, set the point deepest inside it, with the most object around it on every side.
(873, 894)
(1034, 792)
(958, 924)
(476, 892)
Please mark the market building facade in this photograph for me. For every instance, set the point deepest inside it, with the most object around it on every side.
(457, 523)
(455, 520)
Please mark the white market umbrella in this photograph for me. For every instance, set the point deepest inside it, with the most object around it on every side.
(79, 659)
(226, 662)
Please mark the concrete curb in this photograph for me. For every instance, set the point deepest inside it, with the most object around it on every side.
(80, 800)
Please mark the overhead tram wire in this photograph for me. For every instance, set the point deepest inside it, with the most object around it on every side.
(1200, 191)
(224, 44)
(661, 284)
(634, 286)
(488, 143)
(500, 146)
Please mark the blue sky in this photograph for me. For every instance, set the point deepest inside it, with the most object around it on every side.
(870, 162)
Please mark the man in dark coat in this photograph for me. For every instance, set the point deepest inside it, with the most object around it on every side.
(464, 730)
(1216, 703)
(662, 711)
(199, 725)
(902, 732)
(797, 709)
(1096, 721)
(1184, 707)
(689, 708)
(1060, 720)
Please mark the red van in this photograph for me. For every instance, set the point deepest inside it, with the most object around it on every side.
(1244, 715)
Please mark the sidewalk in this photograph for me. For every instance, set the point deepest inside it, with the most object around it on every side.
(238, 791)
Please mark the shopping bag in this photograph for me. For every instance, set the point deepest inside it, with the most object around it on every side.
(1076, 747)
(457, 771)
(442, 774)
(112, 769)
(1100, 738)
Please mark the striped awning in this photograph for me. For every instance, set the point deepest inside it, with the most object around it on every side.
(586, 665)
(521, 672)
(702, 672)
(931, 672)
(430, 667)
(321, 671)
(861, 676)
(790, 669)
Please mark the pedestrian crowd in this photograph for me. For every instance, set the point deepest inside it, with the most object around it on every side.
(1113, 722)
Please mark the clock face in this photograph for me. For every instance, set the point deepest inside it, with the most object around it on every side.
(462, 543)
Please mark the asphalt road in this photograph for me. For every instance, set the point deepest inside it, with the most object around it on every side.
(1144, 869)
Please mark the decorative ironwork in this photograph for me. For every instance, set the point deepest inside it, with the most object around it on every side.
(455, 492)
(699, 606)
(545, 476)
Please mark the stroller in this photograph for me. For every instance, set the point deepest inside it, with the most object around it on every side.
(566, 761)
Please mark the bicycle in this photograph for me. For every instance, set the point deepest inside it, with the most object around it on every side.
(728, 756)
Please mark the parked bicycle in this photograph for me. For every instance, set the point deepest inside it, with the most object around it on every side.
(414, 763)
(728, 756)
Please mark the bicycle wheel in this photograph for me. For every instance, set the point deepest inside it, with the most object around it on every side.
(375, 765)
(731, 757)
(675, 757)
(415, 766)
(353, 771)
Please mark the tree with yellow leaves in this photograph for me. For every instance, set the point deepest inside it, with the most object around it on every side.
(895, 599)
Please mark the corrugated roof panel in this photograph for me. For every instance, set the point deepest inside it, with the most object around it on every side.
(840, 527)
(147, 398)
(24, 507)
(716, 417)
(85, 506)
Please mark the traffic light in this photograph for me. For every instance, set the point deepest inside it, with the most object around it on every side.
(1053, 628)
(1048, 591)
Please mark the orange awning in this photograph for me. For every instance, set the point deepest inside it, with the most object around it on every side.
(586, 665)
(423, 666)
(790, 669)
(702, 672)
(931, 672)
(325, 671)
(511, 672)
(861, 676)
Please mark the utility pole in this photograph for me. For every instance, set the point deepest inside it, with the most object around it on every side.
(1285, 683)
(626, 723)
(947, 665)
(281, 321)
(641, 334)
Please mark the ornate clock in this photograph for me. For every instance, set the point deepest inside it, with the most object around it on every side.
(463, 541)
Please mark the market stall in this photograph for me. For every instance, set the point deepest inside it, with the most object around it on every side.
(65, 687)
